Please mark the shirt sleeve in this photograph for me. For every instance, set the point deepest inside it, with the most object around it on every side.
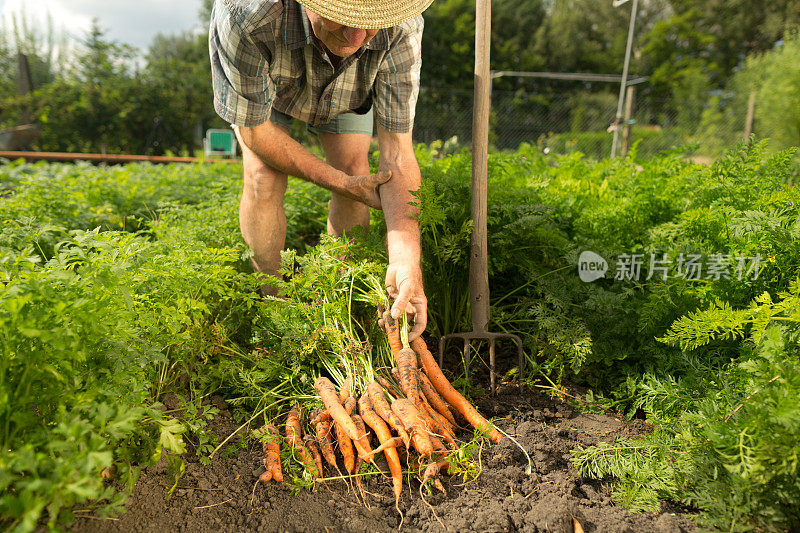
(397, 84)
(243, 91)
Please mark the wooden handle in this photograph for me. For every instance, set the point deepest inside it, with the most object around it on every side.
(478, 264)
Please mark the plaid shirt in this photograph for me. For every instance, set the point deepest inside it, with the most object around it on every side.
(264, 55)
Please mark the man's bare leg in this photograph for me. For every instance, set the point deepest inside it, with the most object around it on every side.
(347, 152)
(262, 218)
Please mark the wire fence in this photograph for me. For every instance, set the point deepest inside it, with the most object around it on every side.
(581, 121)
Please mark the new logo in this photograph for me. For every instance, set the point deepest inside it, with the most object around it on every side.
(591, 266)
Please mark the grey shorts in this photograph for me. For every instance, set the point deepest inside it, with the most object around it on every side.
(344, 123)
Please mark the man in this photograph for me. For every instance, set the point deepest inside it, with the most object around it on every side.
(330, 64)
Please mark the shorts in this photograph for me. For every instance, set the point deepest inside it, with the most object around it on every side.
(344, 123)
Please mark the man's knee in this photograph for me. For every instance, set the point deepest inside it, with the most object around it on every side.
(348, 152)
(354, 164)
(264, 184)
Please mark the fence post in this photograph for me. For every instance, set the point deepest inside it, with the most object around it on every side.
(626, 131)
(751, 113)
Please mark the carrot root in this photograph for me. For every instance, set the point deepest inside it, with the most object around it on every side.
(443, 387)
(381, 429)
(384, 410)
(272, 459)
(312, 446)
(409, 416)
(330, 398)
(434, 399)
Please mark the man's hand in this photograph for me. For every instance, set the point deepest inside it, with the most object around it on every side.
(273, 144)
(404, 285)
(365, 188)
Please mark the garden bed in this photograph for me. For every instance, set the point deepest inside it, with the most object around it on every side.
(220, 497)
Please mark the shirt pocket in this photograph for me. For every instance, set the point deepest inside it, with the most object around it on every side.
(288, 87)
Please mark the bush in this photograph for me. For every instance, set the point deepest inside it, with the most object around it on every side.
(651, 141)
(773, 78)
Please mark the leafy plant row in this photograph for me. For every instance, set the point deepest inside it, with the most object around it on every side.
(123, 283)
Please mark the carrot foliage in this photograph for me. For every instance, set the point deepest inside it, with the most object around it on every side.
(127, 301)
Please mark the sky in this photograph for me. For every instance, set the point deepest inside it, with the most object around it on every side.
(133, 22)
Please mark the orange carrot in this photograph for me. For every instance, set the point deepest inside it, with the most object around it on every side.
(443, 387)
(346, 390)
(433, 413)
(408, 376)
(434, 426)
(433, 469)
(272, 459)
(330, 398)
(312, 446)
(349, 405)
(294, 436)
(437, 444)
(390, 388)
(362, 431)
(345, 447)
(323, 415)
(380, 428)
(434, 399)
(392, 442)
(320, 415)
(325, 442)
(382, 408)
(431, 422)
(409, 416)
(405, 359)
(393, 333)
(294, 432)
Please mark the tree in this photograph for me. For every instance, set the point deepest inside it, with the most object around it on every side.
(7, 67)
(45, 48)
(738, 28)
(102, 60)
(205, 11)
(448, 44)
(178, 72)
(774, 76)
(711, 38)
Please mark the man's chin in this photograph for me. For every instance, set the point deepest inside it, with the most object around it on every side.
(344, 51)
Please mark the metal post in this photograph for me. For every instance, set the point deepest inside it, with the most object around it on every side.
(624, 82)
(626, 130)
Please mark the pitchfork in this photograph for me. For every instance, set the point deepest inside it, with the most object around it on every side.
(478, 261)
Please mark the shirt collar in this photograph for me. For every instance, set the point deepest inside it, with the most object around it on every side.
(380, 41)
(297, 30)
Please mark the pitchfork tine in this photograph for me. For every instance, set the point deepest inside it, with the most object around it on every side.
(492, 370)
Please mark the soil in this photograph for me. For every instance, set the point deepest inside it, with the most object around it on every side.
(220, 497)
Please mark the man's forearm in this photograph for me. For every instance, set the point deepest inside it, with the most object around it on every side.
(281, 152)
(403, 236)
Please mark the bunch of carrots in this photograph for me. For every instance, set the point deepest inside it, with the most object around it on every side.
(421, 416)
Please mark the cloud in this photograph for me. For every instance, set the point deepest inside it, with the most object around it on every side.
(134, 23)
(37, 12)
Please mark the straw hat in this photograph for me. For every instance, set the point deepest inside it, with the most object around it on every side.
(367, 14)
